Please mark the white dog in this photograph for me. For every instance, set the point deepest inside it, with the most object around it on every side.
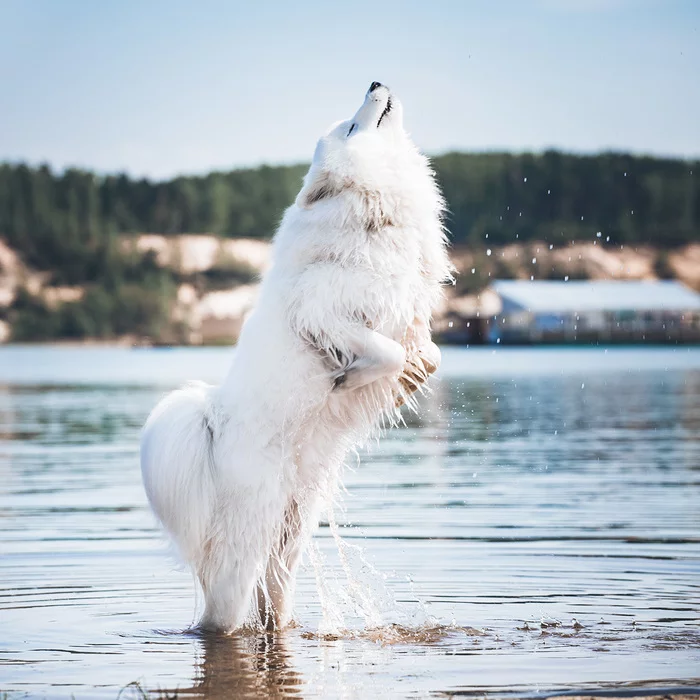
(340, 337)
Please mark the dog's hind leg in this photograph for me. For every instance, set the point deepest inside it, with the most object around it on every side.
(275, 595)
(227, 595)
(229, 573)
(235, 555)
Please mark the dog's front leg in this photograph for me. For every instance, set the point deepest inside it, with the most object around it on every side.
(374, 357)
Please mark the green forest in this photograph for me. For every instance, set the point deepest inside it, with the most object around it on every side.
(69, 223)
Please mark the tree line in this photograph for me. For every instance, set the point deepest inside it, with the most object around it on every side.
(70, 220)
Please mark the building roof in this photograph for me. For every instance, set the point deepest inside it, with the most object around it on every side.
(576, 296)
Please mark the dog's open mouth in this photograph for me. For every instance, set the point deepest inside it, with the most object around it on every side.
(386, 111)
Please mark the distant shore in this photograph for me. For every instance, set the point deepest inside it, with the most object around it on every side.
(197, 289)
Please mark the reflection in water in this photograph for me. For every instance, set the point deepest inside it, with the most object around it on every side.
(536, 528)
(244, 666)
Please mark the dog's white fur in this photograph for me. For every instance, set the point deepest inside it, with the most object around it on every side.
(237, 474)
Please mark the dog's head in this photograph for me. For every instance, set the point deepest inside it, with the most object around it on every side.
(369, 161)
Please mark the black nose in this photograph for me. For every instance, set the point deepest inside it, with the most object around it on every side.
(374, 86)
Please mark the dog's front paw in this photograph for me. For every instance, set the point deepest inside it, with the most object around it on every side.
(419, 366)
(430, 356)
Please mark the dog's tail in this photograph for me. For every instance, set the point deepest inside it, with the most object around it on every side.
(176, 466)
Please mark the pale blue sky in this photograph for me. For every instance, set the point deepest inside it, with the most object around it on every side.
(161, 87)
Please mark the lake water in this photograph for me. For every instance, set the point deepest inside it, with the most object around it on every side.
(536, 530)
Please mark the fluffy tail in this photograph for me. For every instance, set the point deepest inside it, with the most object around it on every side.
(176, 467)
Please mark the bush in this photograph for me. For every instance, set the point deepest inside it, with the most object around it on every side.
(31, 319)
(105, 313)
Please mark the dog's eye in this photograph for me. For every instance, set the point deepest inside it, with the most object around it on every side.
(352, 128)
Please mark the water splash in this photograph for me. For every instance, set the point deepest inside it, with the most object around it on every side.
(328, 590)
(357, 601)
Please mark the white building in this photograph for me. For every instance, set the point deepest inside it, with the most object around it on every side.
(595, 311)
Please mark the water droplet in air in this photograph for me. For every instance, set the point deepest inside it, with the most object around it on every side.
(524, 179)
(566, 279)
(599, 234)
(534, 260)
(488, 251)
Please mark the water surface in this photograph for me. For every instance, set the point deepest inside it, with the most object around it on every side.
(536, 530)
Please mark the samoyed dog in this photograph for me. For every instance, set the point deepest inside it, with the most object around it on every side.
(238, 473)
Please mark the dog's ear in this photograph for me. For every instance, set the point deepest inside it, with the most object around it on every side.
(322, 187)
